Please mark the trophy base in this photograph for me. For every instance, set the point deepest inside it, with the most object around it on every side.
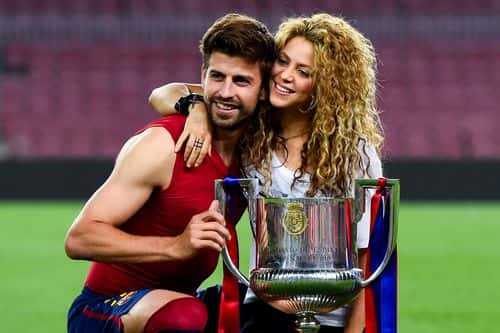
(306, 291)
(307, 323)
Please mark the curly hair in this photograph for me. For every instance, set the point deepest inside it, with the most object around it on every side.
(345, 117)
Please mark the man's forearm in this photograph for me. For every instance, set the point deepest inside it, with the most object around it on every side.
(107, 243)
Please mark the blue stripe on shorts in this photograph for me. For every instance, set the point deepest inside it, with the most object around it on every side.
(93, 312)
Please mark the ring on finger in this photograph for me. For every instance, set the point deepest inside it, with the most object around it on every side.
(198, 143)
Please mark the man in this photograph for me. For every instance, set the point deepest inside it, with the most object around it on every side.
(147, 230)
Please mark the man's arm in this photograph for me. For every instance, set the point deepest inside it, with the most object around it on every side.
(163, 98)
(145, 162)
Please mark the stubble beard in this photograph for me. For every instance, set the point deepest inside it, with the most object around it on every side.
(240, 121)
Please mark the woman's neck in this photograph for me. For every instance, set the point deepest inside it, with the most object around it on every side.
(294, 125)
(295, 130)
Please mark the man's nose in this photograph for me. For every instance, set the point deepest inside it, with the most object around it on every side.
(226, 91)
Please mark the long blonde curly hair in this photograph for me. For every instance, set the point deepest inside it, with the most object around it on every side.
(345, 117)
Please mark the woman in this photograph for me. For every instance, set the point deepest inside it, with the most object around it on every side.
(321, 129)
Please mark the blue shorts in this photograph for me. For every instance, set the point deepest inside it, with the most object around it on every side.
(93, 312)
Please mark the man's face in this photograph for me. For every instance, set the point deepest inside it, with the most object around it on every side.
(232, 88)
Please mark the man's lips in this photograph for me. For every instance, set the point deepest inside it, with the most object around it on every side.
(225, 108)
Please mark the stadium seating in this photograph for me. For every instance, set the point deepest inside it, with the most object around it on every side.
(75, 95)
(83, 97)
(84, 92)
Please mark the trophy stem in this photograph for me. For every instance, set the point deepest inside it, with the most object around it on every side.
(306, 322)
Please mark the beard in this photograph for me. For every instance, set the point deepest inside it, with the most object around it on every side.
(239, 120)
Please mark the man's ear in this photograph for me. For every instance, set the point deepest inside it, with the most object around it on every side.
(203, 75)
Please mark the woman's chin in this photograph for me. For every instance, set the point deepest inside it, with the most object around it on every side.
(279, 102)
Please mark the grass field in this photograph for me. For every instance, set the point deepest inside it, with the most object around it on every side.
(449, 267)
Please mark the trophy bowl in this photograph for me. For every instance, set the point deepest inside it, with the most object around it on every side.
(296, 291)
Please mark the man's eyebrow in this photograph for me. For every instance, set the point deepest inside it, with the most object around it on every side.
(214, 71)
(247, 78)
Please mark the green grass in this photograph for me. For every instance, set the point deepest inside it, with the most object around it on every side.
(448, 266)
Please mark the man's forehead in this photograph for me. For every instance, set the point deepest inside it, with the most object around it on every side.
(233, 65)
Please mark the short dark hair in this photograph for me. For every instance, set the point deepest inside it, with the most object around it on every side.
(238, 35)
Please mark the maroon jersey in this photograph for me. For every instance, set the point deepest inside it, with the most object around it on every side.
(166, 213)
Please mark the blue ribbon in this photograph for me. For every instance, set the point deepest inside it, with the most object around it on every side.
(235, 204)
(235, 199)
(385, 287)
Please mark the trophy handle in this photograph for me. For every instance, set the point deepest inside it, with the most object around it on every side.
(249, 187)
(232, 267)
(361, 187)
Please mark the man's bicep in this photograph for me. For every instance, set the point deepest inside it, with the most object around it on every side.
(116, 201)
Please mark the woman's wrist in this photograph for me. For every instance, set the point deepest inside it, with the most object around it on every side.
(185, 103)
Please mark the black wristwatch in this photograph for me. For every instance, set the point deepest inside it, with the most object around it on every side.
(182, 105)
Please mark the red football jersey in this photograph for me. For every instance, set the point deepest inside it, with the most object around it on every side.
(167, 213)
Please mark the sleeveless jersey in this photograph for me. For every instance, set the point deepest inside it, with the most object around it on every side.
(167, 213)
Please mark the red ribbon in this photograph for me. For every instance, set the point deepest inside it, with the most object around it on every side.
(371, 322)
(229, 310)
(348, 228)
(381, 304)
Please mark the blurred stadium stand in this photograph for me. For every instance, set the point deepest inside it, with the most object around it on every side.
(75, 75)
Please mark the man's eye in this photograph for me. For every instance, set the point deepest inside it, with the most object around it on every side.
(216, 76)
(281, 61)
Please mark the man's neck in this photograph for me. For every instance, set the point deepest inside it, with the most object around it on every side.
(225, 142)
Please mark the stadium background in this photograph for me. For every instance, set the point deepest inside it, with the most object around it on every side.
(74, 81)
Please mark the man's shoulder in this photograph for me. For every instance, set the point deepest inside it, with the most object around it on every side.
(174, 124)
(148, 156)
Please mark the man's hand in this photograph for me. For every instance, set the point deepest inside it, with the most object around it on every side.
(205, 230)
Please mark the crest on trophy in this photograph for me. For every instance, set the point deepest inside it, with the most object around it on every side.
(295, 220)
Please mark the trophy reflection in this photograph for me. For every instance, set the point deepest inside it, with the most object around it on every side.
(306, 251)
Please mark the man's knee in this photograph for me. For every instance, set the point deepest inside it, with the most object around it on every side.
(181, 314)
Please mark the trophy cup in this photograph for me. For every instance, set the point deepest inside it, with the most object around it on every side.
(306, 251)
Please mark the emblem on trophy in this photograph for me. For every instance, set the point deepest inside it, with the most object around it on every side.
(295, 221)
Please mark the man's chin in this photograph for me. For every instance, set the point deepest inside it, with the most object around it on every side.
(229, 124)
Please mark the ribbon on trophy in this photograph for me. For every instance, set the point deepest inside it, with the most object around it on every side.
(229, 313)
(381, 296)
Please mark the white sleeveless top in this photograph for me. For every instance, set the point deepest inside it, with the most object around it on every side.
(282, 179)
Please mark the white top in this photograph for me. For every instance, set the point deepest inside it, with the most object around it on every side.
(282, 179)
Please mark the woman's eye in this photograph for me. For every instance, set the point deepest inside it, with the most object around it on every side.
(304, 73)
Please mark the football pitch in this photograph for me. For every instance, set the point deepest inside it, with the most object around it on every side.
(449, 266)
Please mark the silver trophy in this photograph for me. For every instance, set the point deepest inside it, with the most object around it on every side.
(306, 251)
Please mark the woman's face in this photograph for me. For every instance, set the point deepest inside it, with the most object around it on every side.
(291, 75)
